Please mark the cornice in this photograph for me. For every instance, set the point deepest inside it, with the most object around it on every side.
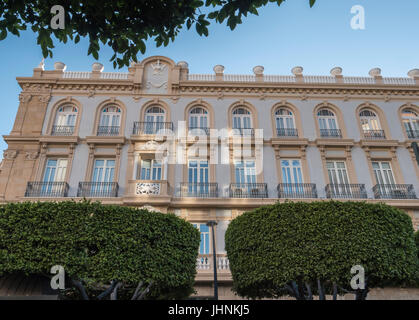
(219, 89)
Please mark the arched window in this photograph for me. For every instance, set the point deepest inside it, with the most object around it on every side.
(242, 121)
(285, 123)
(328, 124)
(198, 119)
(370, 124)
(65, 121)
(410, 120)
(110, 121)
(154, 118)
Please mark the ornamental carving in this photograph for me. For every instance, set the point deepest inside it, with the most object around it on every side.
(9, 154)
(25, 98)
(147, 189)
(149, 208)
(31, 155)
(150, 146)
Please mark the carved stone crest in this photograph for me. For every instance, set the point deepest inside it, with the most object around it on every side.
(158, 67)
(150, 146)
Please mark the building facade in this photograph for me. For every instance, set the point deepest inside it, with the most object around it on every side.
(211, 146)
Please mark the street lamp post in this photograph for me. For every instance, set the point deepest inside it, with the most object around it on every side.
(212, 224)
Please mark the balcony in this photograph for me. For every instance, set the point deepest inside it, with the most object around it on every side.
(198, 190)
(287, 133)
(297, 191)
(412, 134)
(39, 189)
(62, 130)
(394, 191)
(108, 131)
(248, 190)
(374, 134)
(152, 128)
(204, 262)
(346, 191)
(331, 133)
(243, 132)
(98, 189)
(137, 190)
(199, 131)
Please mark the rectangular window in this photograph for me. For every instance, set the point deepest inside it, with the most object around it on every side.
(245, 171)
(383, 172)
(103, 170)
(204, 247)
(151, 170)
(337, 172)
(55, 170)
(291, 171)
(338, 178)
(198, 171)
(198, 177)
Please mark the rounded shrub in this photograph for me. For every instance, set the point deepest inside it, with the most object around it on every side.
(289, 247)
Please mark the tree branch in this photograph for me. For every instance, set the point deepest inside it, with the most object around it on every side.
(114, 294)
(136, 293)
(145, 291)
(335, 291)
(107, 291)
(309, 292)
(81, 289)
(321, 292)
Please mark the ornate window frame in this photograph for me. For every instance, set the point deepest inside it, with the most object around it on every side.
(338, 116)
(103, 105)
(296, 116)
(54, 111)
(380, 115)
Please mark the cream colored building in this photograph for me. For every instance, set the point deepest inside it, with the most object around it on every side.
(102, 135)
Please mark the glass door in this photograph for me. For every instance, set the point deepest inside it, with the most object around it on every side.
(198, 177)
(292, 176)
(338, 178)
(55, 171)
(103, 175)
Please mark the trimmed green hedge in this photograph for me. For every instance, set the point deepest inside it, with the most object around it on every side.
(274, 246)
(100, 243)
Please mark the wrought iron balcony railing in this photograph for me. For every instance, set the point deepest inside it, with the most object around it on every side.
(331, 133)
(412, 134)
(246, 132)
(90, 189)
(297, 190)
(39, 189)
(198, 190)
(151, 127)
(374, 134)
(248, 190)
(108, 130)
(197, 131)
(346, 191)
(62, 130)
(394, 191)
(287, 132)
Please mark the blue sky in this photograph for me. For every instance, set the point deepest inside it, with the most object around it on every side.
(279, 38)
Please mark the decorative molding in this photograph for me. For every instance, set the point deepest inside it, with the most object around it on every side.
(147, 189)
(150, 146)
(31, 155)
(10, 154)
(44, 98)
(25, 97)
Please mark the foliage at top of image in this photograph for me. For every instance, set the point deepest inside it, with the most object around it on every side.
(99, 245)
(123, 25)
(306, 249)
